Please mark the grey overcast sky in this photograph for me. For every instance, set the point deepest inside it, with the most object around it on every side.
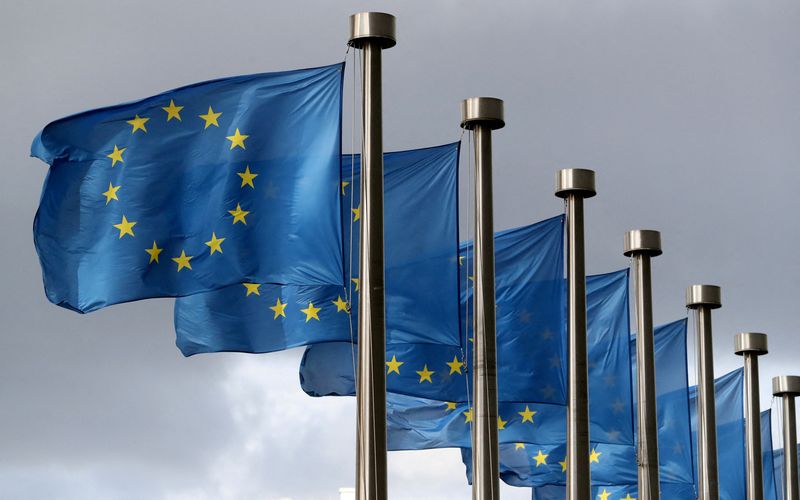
(689, 112)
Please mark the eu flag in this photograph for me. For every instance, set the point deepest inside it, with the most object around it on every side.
(421, 238)
(194, 189)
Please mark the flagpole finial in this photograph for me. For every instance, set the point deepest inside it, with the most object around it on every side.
(482, 110)
(703, 296)
(750, 342)
(575, 180)
(786, 385)
(642, 241)
(374, 26)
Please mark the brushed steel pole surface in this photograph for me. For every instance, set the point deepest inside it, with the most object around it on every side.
(485, 468)
(750, 346)
(371, 32)
(574, 185)
(790, 486)
(707, 471)
(647, 446)
(787, 387)
(755, 479)
(578, 483)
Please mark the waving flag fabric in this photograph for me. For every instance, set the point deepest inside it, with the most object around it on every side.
(421, 272)
(194, 189)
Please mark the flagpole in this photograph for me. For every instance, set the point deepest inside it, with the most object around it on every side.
(750, 346)
(371, 32)
(481, 115)
(641, 245)
(702, 299)
(574, 185)
(788, 387)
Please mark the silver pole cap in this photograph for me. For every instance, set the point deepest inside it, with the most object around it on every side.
(703, 296)
(750, 342)
(642, 241)
(372, 26)
(786, 385)
(579, 181)
(483, 110)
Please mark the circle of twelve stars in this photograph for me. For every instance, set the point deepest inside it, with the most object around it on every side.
(183, 261)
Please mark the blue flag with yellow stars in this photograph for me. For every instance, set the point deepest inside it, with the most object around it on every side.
(416, 423)
(421, 238)
(613, 464)
(529, 303)
(226, 181)
(728, 392)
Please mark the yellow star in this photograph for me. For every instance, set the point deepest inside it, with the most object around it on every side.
(356, 213)
(116, 155)
(311, 312)
(356, 282)
(425, 374)
(451, 406)
(125, 227)
(455, 365)
(501, 424)
(154, 252)
(279, 309)
(210, 118)
(183, 261)
(111, 194)
(541, 458)
(239, 214)
(173, 111)
(527, 415)
(341, 305)
(215, 244)
(595, 456)
(629, 497)
(344, 185)
(247, 177)
(237, 139)
(460, 260)
(519, 446)
(138, 124)
(394, 365)
(252, 288)
(604, 495)
(468, 416)
(563, 465)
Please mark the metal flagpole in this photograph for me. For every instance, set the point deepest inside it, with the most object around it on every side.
(371, 32)
(788, 387)
(752, 345)
(641, 245)
(575, 184)
(704, 298)
(482, 115)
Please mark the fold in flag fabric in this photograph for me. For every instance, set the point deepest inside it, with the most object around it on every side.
(542, 464)
(197, 188)
(421, 278)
